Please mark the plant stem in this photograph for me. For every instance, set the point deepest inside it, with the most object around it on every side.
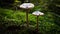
(27, 22)
(37, 24)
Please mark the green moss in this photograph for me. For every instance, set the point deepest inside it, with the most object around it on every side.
(10, 17)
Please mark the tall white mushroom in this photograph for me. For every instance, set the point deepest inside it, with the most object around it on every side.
(37, 13)
(27, 6)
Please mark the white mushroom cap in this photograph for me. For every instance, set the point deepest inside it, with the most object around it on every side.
(27, 5)
(37, 13)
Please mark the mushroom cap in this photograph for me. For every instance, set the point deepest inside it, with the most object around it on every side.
(37, 13)
(27, 5)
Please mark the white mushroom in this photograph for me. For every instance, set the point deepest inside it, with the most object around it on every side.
(37, 13)
(27, 5)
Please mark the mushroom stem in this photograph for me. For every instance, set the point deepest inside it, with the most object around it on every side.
(37, 24)
(27, 22)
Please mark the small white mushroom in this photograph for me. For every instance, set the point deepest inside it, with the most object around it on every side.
(37, 13)
(27, 5)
